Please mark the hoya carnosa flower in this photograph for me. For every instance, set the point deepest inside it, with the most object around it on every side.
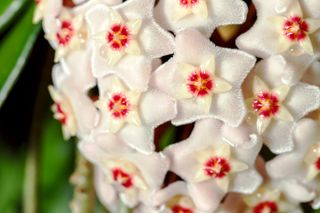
(132, 114)
(46, 9)
(203, 15)
(73, 108)
(212, 166)
(124, 38)
(204, 79)
(133, 175)
(273, 107)
(269, 198)
(175, 198)
(67, 35)
(283, 27)
(302, 165)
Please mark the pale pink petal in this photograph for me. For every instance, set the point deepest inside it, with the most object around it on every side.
(297, 191)
(51, 12)
(246, 182)
(98, 18)
(312, 75)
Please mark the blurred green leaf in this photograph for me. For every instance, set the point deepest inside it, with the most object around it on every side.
(167, 138)
(11, 179)
(9, 10)
(56, 166)
(15, 47)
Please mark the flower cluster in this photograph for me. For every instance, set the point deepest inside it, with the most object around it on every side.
(112, 87)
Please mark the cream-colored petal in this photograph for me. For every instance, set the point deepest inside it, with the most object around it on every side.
(295, 9)
(200, 176)
(223, 150)
(221, 85)
(114, 56)
(66, 133)
(306, 44)
(223, 183)
(185, 70)
(209, 66)
(182, 92)
(38, 14)
(134, 118)
(282, 92)
(262, 124)
(277, 22)
(203, 155)
(200, 9)
(314, 24)
(101, 36)
(284, 44)
(259, 86)
(284, 114)
(139, 182)
(114, 124)
(115, 17)
(238, 166)
(117, 86)
(205, 102)
(133, 48)
(134, 97)
(134, 26)
(312, 173)
(180, 12)
(60, 52)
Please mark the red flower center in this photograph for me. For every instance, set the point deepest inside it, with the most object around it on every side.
(200, 83)
(62, 116)
(180, 209)
(318, 164)
(188, 3)
(266, 207)
(266, 104)
(65, 34)
(295, 28)
(122, 177)
(37, 1)
(118, 36)
(119, 105)
(217, 167)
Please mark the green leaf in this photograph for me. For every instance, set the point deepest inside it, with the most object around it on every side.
(9, 10)
(168, 137)
(14, 50)
(56, 166)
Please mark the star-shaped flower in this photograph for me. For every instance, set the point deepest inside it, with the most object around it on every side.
(301, 167)
(212, 166)
(72, 107)
(132, 114)
(281, 28)
(123, 40)
(204, 79)
(203, 15)
(46, 9)
(275, 107)
(67, 35)
(130, 173)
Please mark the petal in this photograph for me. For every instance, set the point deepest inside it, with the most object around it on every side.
(209, 65)
(238, 166)
(180, 12)
(246, 182)
(223, 183)
(185, 70)
(114, 56)
(157, 108)
(284, 44)
(259, 86)
(221, 85)
(98, 18)
(297, 191)
(206, 196)
(306, 44)
(284, 114)
(134, 26)
(281, 92)
(312, 172)
(295, 9)
(205, 103)
(201, 9)
(134, 118)
(262, 124)
(130, 197)
(314, 24)
(133, 48)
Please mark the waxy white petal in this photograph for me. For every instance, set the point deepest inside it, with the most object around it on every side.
(221, 85)
(238, 166)
(282, 92)
(204, 102)
(209, 66)
(114, 56)
(313, 24)
(185, 70)
(180, 12)
(133, 48)
(201, 9)
(259, 86)
(223, 183)
(262, 124)
(134, 26)
(284, 114)
(306, 44)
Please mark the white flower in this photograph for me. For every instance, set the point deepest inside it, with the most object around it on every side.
(283, 27)
(132, 175)
(46, 9)
(203, 15)
(125, 39)
(205, 79)
(211, 166)
(68, 35)
(301, 167)
(274, 107)
(132, 114)
(73, 108)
